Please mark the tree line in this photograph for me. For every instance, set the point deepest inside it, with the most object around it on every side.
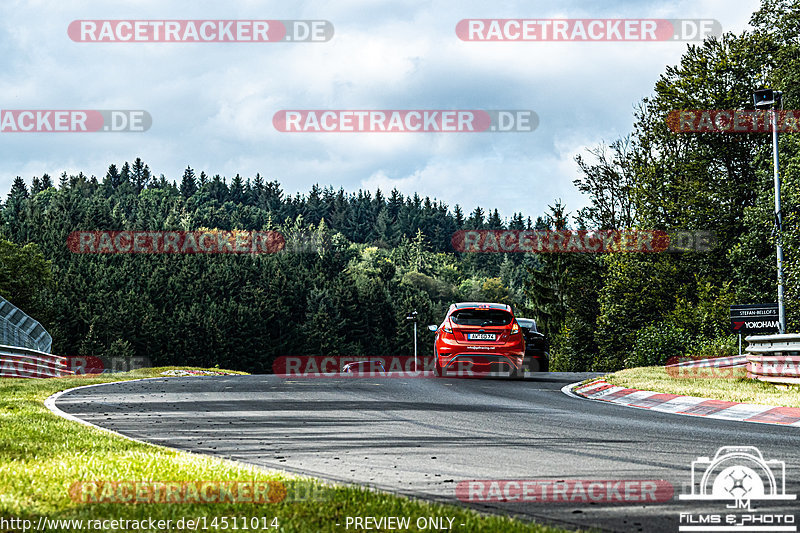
(353, 267)
(385, 255)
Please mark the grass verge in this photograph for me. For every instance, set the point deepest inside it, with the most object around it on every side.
(730, 385)
(43, 455)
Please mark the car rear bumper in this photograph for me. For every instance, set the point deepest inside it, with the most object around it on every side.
(468, 363)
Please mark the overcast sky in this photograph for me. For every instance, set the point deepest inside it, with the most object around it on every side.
(212, 103)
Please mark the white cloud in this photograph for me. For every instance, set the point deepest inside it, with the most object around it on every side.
(212, 104)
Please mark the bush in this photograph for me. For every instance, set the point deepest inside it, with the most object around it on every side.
(120, 348)
(657, 343)
(720, 347)
(572, 347)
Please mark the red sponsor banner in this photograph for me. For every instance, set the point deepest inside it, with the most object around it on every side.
(732, 121)
(171, 492)
(175, 242)
(547, 241)
(565, 491)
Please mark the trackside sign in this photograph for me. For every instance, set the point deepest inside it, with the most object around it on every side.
(754, 318)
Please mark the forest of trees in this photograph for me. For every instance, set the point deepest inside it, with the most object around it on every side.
(373, 260)
(385, 255)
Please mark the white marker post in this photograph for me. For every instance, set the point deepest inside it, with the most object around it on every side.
(413, 317)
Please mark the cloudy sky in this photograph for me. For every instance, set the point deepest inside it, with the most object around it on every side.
(212, 103)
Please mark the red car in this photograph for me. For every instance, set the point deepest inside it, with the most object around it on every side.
(479, 338)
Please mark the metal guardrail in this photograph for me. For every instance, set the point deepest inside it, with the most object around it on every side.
(731, 367)
(715, 362)
(18, 329)
(774, 358)
(16, 362)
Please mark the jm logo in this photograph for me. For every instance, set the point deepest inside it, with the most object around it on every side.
(738, 474)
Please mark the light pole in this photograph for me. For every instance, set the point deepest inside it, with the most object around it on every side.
(769, 99)
(413, 317)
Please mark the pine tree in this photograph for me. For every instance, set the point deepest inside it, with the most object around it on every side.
(237, 190)
(140, 173)
(218, 189)
(125, 174)
(475, 220)
(459, 216)
(36, 186)
(188, 183)
(249, 198)
(313, 209)
(386, 234)
(395, 204)
(378, 204)
(112, 178)
(19, 190)
(517, 222)
(494, 221)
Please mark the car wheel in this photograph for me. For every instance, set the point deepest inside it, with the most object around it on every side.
(539, 364)
(545, 364)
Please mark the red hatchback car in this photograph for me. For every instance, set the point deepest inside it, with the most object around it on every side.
(478, 339)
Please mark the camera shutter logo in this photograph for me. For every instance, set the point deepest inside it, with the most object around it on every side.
(740, 474)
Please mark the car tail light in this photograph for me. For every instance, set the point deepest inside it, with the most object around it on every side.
(448, 329)
(515, 329)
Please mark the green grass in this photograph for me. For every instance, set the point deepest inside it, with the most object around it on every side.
(42, 455)
(736, 388)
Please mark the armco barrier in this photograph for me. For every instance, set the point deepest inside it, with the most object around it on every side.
(774, 358)
(715, 362)
(16, 362)
(18, 329)
(717, 367)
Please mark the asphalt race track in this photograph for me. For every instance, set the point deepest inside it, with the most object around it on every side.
(420, 437)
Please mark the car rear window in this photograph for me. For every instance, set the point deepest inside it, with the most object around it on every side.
(527, 323)
(481, 317)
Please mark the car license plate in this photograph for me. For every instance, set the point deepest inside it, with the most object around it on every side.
(480, 336)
